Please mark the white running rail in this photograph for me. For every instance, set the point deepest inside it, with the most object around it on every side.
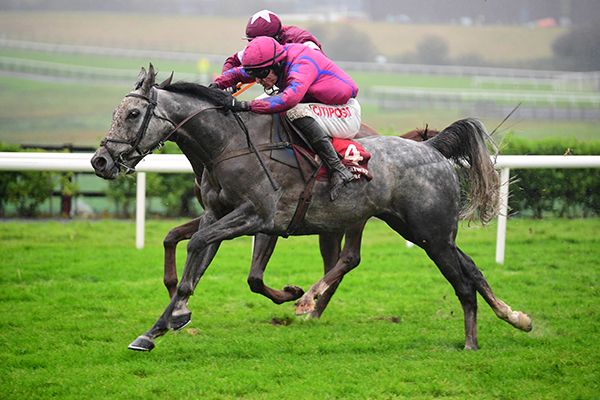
(167, 163)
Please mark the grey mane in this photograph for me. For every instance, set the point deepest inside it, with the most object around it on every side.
(215, 96)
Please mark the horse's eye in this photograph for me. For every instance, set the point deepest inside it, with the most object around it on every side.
(133, 114)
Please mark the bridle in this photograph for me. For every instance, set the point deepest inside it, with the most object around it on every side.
(135, 142)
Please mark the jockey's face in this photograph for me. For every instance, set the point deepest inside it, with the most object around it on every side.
(269, 81)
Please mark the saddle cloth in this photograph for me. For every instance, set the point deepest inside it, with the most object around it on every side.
(353, 156)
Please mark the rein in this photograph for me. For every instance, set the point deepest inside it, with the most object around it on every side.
(253, 149)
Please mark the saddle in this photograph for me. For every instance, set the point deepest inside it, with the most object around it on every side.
(300, 155)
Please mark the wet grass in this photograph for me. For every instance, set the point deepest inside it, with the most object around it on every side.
(74, 294)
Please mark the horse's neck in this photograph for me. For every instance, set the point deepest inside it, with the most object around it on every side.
(212, 132)
(201, 138)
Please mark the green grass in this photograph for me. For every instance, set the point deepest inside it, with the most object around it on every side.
(74, 294)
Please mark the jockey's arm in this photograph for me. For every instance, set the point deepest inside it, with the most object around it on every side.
(231, 77)
(301, 76)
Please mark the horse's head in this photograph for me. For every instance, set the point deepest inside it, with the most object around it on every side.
(137, 129)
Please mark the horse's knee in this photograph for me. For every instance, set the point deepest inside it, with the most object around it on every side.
(185, 290)
(170, 282)
(256, 284)
(196, 242)
(351, 260)
(171, 239)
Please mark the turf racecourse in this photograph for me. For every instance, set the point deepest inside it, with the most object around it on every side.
(74, 294)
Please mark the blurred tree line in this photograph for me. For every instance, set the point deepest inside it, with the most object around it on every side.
(575, 50)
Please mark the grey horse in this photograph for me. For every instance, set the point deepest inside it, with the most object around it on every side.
(415, 190)
(329, 245)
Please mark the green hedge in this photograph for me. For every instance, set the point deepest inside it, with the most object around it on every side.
(533, 192)
(26, 190)
(557, 192)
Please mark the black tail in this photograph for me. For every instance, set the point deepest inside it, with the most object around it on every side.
(464, 142)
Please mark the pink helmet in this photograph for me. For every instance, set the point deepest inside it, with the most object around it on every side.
(262, 52)
(263, 23)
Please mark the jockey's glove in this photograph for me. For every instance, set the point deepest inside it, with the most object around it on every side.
(230, 90)
(234, 104)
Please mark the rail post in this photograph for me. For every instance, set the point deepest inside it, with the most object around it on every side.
(140, 209)
(502, 215)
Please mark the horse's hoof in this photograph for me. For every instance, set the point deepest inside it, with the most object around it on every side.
(294, 291)
(304, 306)
(141, 343)
(471, 346)
(180, 321)
(521, 321)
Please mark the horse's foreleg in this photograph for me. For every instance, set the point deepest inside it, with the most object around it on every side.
(261, 253)
(330, 246)
(176, 235)
(349, 259)
(202, 248)
(177, 315)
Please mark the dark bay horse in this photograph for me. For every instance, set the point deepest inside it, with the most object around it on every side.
(329, 244)
(415, 190)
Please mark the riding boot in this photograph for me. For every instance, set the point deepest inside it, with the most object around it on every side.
(339, 175)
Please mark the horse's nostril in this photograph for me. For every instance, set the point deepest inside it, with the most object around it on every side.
(99, 163)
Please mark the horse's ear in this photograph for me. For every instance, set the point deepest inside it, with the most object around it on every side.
(140, 79)
(149, 79)
(166, 82)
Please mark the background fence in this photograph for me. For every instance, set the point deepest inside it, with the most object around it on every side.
(543, 94)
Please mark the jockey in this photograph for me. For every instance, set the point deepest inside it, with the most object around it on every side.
(317, 96)
(267, 23)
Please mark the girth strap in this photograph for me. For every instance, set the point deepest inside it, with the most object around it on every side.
(303, 203)
(242, 152)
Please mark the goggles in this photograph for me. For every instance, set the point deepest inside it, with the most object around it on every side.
(258, 73)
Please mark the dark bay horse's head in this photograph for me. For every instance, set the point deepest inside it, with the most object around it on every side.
(137, 129)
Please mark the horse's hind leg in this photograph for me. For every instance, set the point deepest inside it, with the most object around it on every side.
(349, 259)
(261, 253)
(467, 279)
(176, 235)
(330, 246)
(446, 257)
(517, 319)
